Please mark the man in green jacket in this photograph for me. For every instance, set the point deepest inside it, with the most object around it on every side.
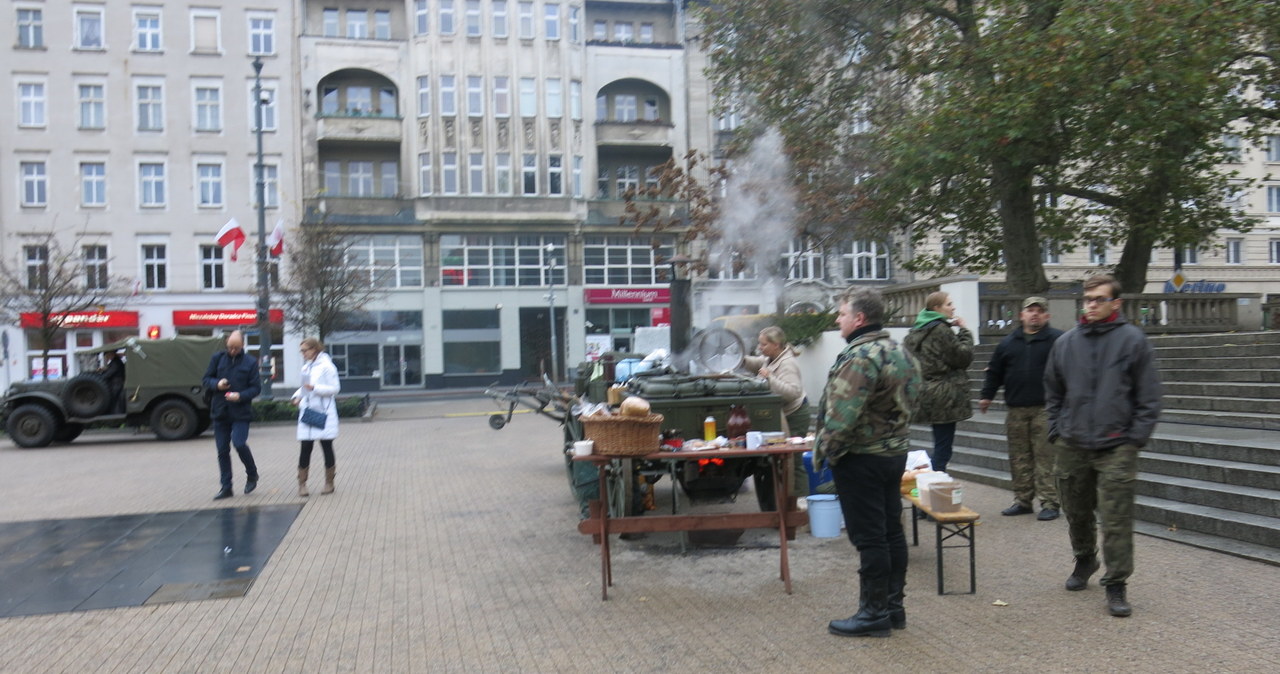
(862, 434)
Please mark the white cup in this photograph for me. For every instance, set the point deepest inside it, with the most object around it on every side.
(583, 447)
(754, 439)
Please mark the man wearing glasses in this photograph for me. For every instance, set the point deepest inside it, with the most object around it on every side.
(1102, 396)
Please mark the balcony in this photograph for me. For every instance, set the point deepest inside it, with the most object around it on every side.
(369, 128)
(636, 133)
(339, 210)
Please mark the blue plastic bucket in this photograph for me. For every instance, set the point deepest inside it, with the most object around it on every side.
(824, 516)
(815, 479)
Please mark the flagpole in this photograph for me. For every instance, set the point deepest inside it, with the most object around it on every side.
(264, 290)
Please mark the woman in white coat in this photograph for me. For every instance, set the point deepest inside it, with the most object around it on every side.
(319, 392)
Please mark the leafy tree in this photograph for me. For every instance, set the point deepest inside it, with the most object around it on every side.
(322, 285)
(1003, 125)
(53, 280)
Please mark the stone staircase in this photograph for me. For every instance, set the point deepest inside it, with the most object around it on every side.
(1211, 475)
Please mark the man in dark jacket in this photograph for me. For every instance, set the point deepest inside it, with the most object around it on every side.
(1018, 366)
(232, 376)
(1102, 395)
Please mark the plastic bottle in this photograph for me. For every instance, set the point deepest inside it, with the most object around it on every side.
(709, 429)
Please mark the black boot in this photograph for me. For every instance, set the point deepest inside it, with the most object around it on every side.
(897, 612)
(1117, 605)
(1085, 567)
(872, 618)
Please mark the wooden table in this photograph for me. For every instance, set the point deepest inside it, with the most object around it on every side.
(958, 524)
(779, 456)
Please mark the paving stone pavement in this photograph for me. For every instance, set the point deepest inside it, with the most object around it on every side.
(450, 547)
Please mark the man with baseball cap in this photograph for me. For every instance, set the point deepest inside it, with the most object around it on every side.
(1018, 365)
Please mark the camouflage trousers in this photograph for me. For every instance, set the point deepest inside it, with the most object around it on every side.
(1031, 457)
(1105, 481)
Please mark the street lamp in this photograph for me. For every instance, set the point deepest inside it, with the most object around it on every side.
(264, 291)
(551, 311)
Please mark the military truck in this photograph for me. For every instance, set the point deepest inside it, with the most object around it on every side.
(162, 390)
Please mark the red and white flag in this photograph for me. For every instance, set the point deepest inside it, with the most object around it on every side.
(275, 240)
(231, 235)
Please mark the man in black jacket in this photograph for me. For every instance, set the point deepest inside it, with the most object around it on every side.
(232, 375)
(1018, 366)
(1102, 395)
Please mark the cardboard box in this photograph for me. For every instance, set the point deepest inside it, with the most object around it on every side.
(945, 497)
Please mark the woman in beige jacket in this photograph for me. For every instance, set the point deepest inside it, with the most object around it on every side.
(777, 363)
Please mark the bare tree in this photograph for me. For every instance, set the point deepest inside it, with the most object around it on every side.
(325, 281)
(51, 280)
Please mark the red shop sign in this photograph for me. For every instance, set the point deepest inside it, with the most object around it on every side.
(627, 295)
(84, 319)
(205, 317)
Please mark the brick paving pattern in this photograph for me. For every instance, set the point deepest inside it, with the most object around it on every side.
(450, 547)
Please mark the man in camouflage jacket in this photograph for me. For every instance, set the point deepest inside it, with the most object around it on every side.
(862, 434)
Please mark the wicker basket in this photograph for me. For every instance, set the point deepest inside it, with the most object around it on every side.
(623, 436)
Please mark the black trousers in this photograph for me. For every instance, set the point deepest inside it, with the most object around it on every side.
(870, 497)
(304, 457)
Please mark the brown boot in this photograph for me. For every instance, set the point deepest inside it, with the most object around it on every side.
(302, 481)
(328, 480)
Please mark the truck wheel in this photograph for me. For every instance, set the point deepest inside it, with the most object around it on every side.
(86, 395)
(31, 426)
(497, 421)
(68, 432)
(174, 420)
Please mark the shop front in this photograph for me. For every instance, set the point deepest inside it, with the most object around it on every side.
(212, 322)
(51, 356)
(613, 314)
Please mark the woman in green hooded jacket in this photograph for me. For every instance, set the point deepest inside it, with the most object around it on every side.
(944, 357)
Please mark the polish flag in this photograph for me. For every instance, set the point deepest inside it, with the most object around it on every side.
(275, 240)
(231, 235)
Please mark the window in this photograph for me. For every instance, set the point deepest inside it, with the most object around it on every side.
(1235, 251)
(150, 107)
(357, 24)
(262, 34)
(1190, 255)
(483, 260)
(575, 25)
(446, 17)
(35, 183)
(93, 184)
(551, 15)
(389, 179)
(359, 179)
(267, 103)
(471, 342)
(555, 97)
(1273, 198)
(146, 30)
(622, 31)
(1231, 148)
(95, 267)
(600, 30)
(555, 175)
(421, 17)
(205, 32)
(30, 28)
(475, 173)
(448, 96)
(1097, 252)
(575, 100)
(1274, 247)
(1273, 148)
(212, 269)
(526, 20)
(88, 29)
(424, 174)
(93, 106)
(627, 178)
(332, 174)
(208, 101)
(528, 97)
(37, 266)
(155, 266)
(391, 261)
(31, 104)
(381, 24)
(577, 177)
(270, 186)
(331, 20)
(624, 108)
(865, 260)
(501, 96)
(624, 260)
(209, 185)
(1050, 253)
(151, 187)
(499, 10)
(651, 110)
(424, 96)
(475, 96)
(529, 175)
(449, 173)
(646, 33)
(803, 261)
(502, 173)
(473, 18)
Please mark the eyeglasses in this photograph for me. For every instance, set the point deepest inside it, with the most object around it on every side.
(1098, 300)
